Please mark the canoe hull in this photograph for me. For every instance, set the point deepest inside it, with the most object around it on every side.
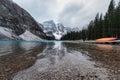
(105, 39)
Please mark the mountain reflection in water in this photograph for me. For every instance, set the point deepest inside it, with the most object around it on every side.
(17, 55)
(56, 62)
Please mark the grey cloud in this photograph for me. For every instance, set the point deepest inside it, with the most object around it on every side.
(69, 13)
(39, 9)
(81, 14)
(72, 13)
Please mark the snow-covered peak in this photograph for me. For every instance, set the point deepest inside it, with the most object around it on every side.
(58, 30)
(49, 26)
(27, 35)
(61, 28)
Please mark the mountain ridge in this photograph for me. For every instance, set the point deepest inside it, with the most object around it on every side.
(53, 29)
(19, 20)
(56, 30)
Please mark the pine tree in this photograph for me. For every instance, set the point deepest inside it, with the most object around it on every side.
(117, 20)
(111, 18)
(101, 28)
(90, 31)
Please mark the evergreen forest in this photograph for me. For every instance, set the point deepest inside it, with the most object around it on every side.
(101, 27)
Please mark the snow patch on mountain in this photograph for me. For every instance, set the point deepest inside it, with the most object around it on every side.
(7, 33)
(57, 36)
(28, 36)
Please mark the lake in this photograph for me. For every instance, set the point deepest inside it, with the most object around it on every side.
(57, 60)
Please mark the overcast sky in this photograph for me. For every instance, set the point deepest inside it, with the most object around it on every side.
(71, 13)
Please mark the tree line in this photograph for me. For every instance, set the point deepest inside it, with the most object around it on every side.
(102, 26)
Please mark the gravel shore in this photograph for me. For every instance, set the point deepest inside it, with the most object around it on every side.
(63, 61)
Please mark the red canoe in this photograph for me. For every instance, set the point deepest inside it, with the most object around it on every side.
(105, 39)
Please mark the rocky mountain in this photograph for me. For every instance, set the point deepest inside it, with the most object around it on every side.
(15, 21)
(54, 30)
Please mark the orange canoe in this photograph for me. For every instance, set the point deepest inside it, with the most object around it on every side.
(105, 39)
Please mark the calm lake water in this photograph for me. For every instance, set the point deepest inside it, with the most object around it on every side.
(54, 60)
